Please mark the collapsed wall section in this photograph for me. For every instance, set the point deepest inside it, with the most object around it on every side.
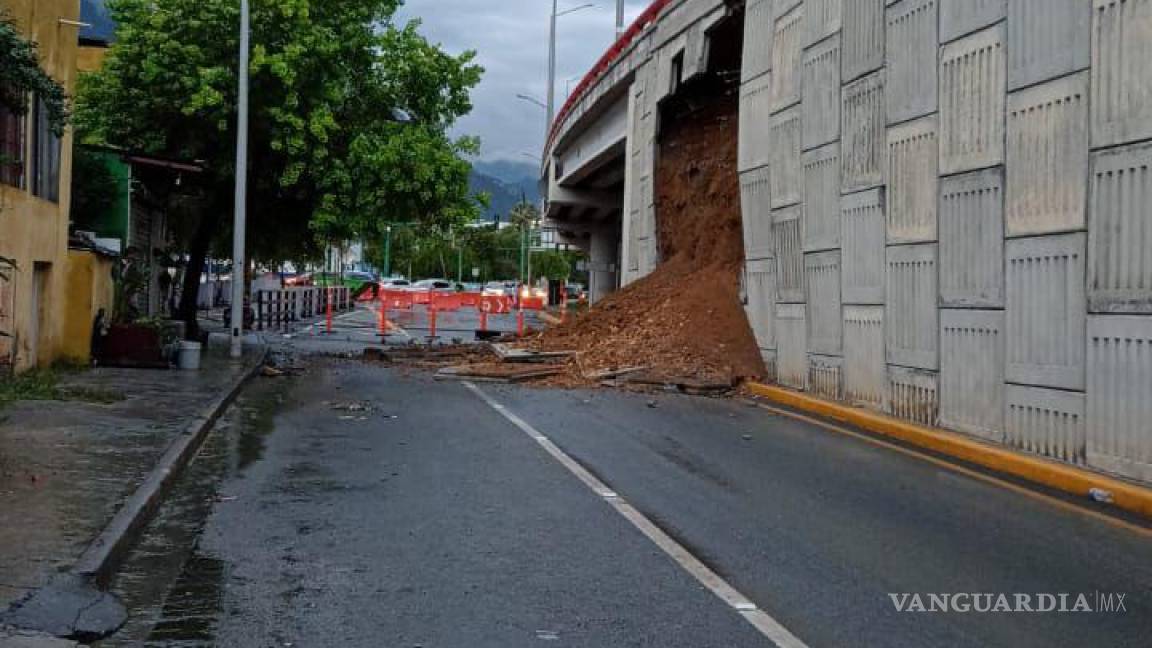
(987, 216)
(680, 312)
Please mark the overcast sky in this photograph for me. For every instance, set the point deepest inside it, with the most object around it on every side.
(511, 41)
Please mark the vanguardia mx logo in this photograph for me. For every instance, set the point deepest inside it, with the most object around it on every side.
(987, 602)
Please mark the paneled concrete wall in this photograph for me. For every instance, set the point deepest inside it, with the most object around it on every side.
(822, 198)
(864, 365)
(981, 257)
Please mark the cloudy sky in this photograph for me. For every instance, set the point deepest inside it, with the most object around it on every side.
(511, 41)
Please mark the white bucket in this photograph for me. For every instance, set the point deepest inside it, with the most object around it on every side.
(189, 356)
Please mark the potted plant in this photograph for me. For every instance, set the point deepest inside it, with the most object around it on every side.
(132, 341)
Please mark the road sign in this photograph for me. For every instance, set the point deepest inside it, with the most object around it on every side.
(475, 272)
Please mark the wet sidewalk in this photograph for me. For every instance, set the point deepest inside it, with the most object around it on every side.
(66, 467)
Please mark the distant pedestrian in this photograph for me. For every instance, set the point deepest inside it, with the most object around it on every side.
(99, 332)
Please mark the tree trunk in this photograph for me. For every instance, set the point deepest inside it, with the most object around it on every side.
(197, 255)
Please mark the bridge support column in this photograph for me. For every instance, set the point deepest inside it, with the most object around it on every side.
(603, 263)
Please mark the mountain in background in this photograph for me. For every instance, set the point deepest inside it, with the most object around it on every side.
(505, 182)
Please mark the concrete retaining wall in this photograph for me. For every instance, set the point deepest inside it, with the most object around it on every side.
(947, 209)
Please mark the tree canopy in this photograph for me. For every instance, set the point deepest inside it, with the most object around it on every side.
(350, 117)
(327, 153)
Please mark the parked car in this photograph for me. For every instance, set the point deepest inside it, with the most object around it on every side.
(395, 283)
(500, 288)
(575, 292)
(434, 285)
(353, 280)
(302, 279)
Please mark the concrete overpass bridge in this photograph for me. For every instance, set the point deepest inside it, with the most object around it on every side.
(602, 148)
(944, 204)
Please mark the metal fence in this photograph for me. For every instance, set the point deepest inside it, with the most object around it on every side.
(280, 310)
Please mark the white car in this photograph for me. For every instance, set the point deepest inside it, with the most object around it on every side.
(500, 288)
(434, 285)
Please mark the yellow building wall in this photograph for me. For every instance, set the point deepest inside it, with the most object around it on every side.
(35, 231)
(90, 59)
(89, 289)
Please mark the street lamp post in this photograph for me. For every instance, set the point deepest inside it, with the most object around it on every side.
(551, 107)
(239, 262)
(387, 251)
(552, 67)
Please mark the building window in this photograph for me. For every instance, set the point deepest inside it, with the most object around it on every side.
(45, 155)
(11, 148)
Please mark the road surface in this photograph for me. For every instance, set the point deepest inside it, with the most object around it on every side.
(358, 505)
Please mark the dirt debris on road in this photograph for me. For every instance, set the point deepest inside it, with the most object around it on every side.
(685, 320)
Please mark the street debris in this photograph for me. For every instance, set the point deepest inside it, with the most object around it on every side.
(509, 353)
(497, 372)
(1101, 495)
(354, 406)
(428, 355)
(608, 374)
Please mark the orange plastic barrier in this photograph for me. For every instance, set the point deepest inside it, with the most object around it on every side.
(446, 301)
(534, 303)
(470, 299)
(421, 297)
(495, 304)
(396, 299)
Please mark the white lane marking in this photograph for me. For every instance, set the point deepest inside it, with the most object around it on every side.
(759, 619)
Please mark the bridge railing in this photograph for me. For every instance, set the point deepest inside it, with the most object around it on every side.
(646, 18)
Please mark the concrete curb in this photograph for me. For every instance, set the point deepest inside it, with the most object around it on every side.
(103, 555)
(1062, 477)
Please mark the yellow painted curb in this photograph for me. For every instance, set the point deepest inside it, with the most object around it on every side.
(1063, 477)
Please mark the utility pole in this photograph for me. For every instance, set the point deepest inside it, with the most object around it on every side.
(239, 262)
(387, 251)
(551, 106)
(523, 248)
(619, 18)
(552, 68)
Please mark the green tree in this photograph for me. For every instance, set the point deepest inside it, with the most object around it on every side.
(524, 215)
(328, 159)
(552, 264)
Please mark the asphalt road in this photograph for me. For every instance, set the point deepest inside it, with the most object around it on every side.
(432, 518)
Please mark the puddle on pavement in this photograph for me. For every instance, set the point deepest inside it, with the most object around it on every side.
(173, 590)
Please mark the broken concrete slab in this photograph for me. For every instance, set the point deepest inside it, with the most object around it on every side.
(69, 607)
(508, 353)
(501, 372)
(607, 374)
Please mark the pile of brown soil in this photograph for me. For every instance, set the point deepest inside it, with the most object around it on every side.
(684, 319)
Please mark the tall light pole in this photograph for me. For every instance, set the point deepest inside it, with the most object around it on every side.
(239, 262)
(619, 18)
(536, 102)
(388, 251)
(551, 108)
